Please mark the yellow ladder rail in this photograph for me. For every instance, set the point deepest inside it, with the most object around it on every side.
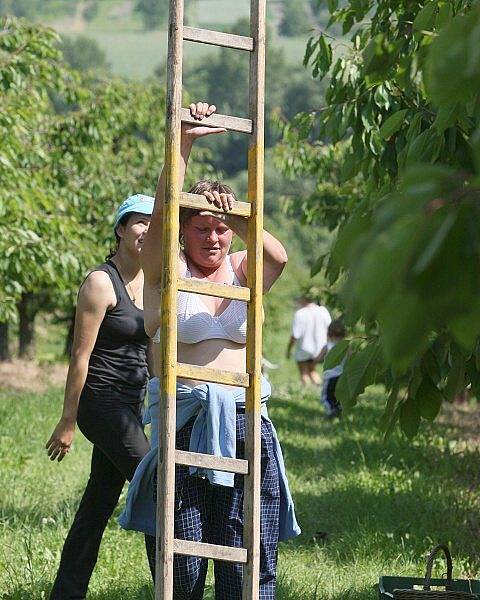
(252, 210)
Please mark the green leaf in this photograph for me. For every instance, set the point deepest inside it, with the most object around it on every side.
(391, 405)
(465, 327)
(430, 399)
(318, 265)
(310, 49)
(430, 367)
(336, 354)
(452, 69)
(456, 378)
(446, 117)
(425, 17)
(444, 14)
(433, 247)
(359, 371)
(324, 58)
(401, 315)
(349, 167)
(410, 417)
(332, 5)
(474, 377)
(389, 429)
(393, 124)
(424, 148)
(348, 234)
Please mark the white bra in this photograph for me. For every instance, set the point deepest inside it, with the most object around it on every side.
(196, 324)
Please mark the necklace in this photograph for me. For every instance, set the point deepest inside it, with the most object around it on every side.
(132, 293)
(128, 286)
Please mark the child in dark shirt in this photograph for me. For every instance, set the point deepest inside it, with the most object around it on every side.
(336, 333)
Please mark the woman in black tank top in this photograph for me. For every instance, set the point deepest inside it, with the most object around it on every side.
(104, 393)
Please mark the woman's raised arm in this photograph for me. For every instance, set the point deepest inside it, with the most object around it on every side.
(151, 256)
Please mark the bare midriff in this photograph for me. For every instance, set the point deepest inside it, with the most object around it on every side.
(221, 354)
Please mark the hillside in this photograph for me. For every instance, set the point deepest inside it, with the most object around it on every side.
(135, 52)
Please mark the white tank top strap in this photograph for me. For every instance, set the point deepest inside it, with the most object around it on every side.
(236, 280)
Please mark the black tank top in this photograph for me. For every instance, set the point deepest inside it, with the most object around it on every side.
(118, 361)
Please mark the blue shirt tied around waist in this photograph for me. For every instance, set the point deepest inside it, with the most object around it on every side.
(214, 432)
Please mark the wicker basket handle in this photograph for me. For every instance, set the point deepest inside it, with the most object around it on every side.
(430, 560)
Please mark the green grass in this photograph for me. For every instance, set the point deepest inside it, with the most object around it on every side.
(380, 507)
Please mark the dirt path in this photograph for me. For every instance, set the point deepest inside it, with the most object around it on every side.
(26, 376)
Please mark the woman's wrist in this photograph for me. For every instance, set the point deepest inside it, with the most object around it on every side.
(69, 420)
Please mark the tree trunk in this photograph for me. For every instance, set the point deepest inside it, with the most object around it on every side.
(4, 343)
(27, 309)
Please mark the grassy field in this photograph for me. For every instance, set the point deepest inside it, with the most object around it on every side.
(365, 508)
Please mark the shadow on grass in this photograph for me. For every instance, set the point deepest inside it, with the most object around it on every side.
(291, 589)
(358, 437)
(354, 518)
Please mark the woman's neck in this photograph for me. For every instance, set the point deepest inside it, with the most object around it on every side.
(129, 265)
(207, 272)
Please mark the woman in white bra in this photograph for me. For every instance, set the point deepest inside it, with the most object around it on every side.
(210, 417)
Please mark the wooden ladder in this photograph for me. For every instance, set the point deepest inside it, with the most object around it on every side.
(168, 456)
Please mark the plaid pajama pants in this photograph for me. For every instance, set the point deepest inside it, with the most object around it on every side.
(214, 514)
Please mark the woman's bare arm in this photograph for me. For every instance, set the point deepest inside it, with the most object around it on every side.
(151, 256)
(95, 297)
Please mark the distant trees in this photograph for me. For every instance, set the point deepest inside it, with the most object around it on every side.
(398, 142)
(62, 174)
(297, 18)
(83, 53)
(20, 8)
(154, 13)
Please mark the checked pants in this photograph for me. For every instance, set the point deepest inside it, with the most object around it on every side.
(214, 514)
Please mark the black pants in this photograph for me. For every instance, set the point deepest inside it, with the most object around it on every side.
(119, 444)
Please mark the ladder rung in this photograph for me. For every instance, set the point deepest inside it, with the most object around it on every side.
(213, 375)
(208, 461)
(202, 550)
(217, 38)
(225, 121)
(199, 202)
(210, 288)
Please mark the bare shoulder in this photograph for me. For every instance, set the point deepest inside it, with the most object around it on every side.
(97, 291)
(182, 264)
(239, 260)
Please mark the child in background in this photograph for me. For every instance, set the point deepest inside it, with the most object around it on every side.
(336, 333)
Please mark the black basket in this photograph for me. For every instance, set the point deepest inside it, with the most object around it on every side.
(402, 588)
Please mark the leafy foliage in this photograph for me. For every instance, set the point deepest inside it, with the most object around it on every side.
(398, 140)
(63, 172)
